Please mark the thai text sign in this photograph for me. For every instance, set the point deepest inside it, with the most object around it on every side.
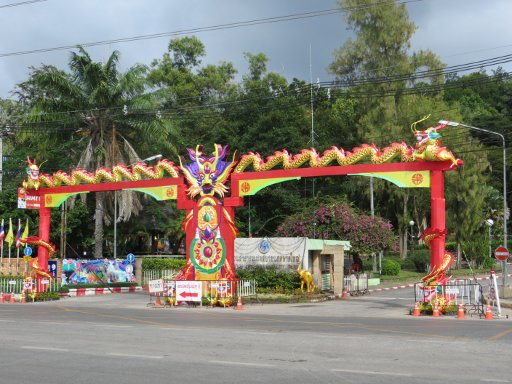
(188, 290)
(156, 286)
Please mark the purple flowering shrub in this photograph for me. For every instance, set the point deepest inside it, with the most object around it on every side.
(339, 221)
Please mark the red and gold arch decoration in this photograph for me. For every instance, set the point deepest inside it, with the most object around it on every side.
(200, 187)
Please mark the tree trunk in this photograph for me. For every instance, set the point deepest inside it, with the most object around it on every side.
(98, 225)
(404, 246)
(459, 254)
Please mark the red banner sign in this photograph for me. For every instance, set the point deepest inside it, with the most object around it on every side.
(28, 199)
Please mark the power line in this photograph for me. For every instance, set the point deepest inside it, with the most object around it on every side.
(21, 3)
(267, 20)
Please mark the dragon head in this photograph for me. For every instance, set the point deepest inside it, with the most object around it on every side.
(32, 170)
(207, 174)
(33, 175)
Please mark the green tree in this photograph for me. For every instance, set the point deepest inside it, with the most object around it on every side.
(398, 87)
(96, 106)
(194, 94)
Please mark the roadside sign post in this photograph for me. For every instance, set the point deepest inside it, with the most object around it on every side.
(501, 253)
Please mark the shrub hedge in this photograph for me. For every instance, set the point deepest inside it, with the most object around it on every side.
(390, 267)
(270, 278)
(165, 263)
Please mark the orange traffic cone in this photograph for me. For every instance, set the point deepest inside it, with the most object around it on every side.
(488, 313)
(416, 309)
(344, 294)
(11, 299)
(157, 301)
(435, 312)
(22, 300)
(1, 297)
(460, 313)
(239, 305)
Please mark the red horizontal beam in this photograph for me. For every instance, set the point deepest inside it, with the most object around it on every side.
(339, 170)
(113, 186)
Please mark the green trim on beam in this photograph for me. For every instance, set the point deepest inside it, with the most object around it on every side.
(53, 200)
(251, 187)
(169, 192)
(403, 179)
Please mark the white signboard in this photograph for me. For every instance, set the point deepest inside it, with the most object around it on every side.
(156, 286)
(188, 290)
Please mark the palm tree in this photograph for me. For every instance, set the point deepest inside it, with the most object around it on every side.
(100, 104)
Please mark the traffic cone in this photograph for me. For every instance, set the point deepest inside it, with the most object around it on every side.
(488, 313)
(22, 300)
(11, 299)
(435, 312)
(1, 297)
(239, 305)
(344, 295)
(460, 313)
(416, 309)
(157, 301)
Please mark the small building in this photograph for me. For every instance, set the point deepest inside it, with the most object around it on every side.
(323, 258)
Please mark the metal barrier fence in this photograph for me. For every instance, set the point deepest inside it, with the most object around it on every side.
(466, 292)
(356, 284)
(212, 292)
(15, 285)
(166, 274)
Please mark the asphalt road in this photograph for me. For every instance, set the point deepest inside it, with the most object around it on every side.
(369, 339)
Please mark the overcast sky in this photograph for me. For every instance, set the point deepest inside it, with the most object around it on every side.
(459, 31)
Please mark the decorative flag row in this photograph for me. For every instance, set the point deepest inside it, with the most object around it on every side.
(9, 238)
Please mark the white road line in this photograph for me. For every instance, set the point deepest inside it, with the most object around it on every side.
(135, 356)
(51, 322)
(44, 348)
(428, 341)
(240, 363)
(372, 372)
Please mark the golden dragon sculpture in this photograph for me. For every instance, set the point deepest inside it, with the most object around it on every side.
(34, 240)
(78, 176)
(427, 148)
(437, 273)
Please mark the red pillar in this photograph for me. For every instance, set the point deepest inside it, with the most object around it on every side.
(44, 234)
(438, 217)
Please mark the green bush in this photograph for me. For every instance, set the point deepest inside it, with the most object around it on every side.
(270, 278)
(45, 296)
(155, 264)
(451, 246)
(488, 263)
(368, 264)
(418, 261)
(390, 267)
(408, 264)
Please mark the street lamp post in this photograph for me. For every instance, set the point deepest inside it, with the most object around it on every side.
(115, 203)
(505, 243)
(455, 124)
(490, 223)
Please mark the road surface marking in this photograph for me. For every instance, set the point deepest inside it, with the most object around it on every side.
(372, 372)
(135, 356)
(241, 363)
(44, 348)
(501, 334)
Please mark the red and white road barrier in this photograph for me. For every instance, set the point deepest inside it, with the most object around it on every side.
(73, 292)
